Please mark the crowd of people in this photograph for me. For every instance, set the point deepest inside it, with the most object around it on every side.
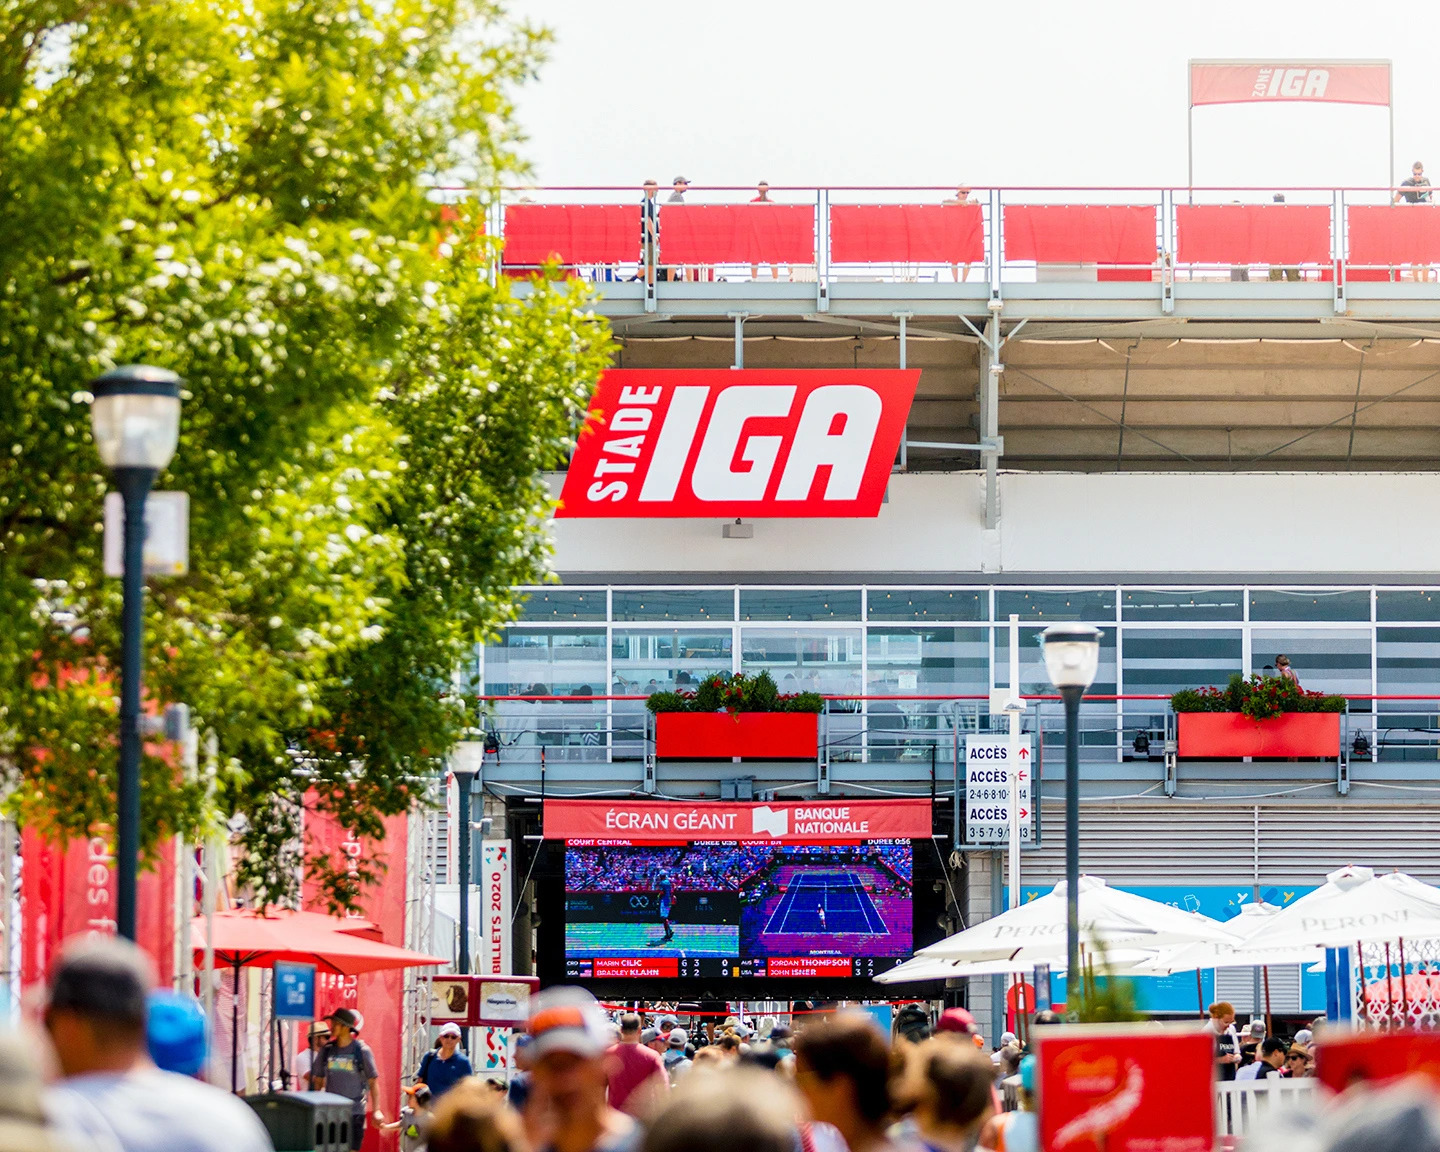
(1252, 1054)
(593, 1083)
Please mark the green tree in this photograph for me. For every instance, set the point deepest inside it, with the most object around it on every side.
(238, 191)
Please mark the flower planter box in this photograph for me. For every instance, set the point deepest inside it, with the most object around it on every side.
(754, 735)
(1231, 735)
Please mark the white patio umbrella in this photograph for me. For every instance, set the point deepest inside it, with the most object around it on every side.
(1354, 906)
(1218, 954)
(1109, 919)
(920, 967)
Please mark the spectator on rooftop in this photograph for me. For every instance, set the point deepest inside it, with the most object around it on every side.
(1283, 273)
(762, 196)
(962, 196)
(649, 232)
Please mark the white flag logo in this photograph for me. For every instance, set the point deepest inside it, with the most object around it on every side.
(772, 821)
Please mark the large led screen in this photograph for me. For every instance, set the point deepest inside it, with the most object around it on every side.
(737, 909)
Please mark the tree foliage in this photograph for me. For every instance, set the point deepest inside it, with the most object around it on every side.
(238, 191)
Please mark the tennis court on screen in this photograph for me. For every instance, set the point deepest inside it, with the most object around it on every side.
(833, 902)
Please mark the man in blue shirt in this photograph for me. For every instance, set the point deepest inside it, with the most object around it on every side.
(440, 1070)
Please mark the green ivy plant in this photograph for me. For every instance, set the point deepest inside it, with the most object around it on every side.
(1258, 697)
(735, 693)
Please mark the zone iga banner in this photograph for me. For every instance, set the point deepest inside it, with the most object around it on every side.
(1256, 81)
(733, 442)
(677, 822)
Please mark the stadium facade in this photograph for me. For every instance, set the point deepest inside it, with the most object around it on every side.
(1211, 468)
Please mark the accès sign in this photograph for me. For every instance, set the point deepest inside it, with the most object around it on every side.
(726, 442)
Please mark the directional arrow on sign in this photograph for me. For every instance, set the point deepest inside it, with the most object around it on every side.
(1020, 775)
(1024, 815)
(1024, 753)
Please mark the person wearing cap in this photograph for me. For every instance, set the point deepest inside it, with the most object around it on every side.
(653, 1039)
(676, 1060)
(346, 1067)
(637, 1074)
(955, 1022)
(175, 1033)
(569, 1035)
(444, 1066)
(318, 1035)
(414, 1121)
(781, 1036)
(112, 1097)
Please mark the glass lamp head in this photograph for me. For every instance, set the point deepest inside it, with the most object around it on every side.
(1072, 654)
(135, 416)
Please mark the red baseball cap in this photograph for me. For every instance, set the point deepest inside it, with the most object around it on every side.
(955, 1020)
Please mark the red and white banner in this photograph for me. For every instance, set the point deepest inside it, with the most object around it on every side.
(1258, 81)
(69, 892)
(725, 442)
(379, 996)
(790, 822)
(495, 856)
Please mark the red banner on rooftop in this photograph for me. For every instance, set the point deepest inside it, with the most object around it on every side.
(789, 822)
(1259, 81)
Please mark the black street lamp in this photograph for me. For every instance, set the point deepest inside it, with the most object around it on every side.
(1072, 656)
(135, 420)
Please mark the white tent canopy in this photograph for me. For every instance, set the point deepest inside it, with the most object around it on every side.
(920, 967)
(1109, 919)
(1354, 906)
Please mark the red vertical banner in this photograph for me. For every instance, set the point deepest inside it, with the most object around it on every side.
(379, 996)
(69, 890)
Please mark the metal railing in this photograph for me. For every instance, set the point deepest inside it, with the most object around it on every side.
(1168, 265)
(920, 737)
(1240, 1105)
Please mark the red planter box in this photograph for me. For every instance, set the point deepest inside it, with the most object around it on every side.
(1230, 735)
(756, 735)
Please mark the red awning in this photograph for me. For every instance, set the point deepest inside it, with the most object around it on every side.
(737, 234)
(1080, 233)
(571, 233)
(334, 944)
(1252, 233)
(907, 233)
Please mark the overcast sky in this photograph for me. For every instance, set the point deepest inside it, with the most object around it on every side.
(1020, 92)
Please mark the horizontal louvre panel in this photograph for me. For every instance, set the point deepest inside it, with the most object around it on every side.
(1184, 842)
(1237, 985)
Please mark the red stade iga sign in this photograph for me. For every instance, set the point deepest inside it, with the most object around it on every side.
(737, 442)
(796, 822)
(1258, 81)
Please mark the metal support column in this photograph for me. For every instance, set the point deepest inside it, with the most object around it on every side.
(902, 317)
(739, 318)
(990, 370)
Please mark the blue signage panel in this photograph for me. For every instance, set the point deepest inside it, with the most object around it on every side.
(294, 990)
(1179, 993)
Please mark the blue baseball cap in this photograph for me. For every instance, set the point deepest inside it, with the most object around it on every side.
(175, 1033)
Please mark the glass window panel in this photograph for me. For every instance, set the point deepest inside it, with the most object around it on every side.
(1093, 605)
(1408, 604)
(805, 659)
(1335, 660)
(651, 660)
(673, 604)
(1182, 604)
(928, 604)
(543, 604)
(1407, 663)
(928, 661)
(546, 662)
(1034, 680)
(1165, 660)
(1319, 604)
(1097, 717)
(800, 604)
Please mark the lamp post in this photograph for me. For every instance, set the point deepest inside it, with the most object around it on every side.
(1072, 655)
(135, 420)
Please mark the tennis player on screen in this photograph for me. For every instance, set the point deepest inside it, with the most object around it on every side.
(666, 898)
